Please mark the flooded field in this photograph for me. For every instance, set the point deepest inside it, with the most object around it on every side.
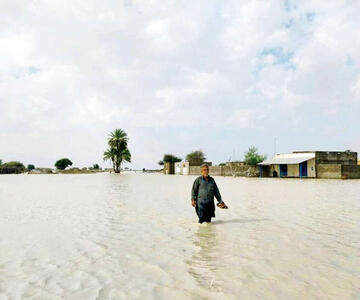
(136, 236)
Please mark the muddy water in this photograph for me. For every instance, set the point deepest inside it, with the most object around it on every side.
(135, 236)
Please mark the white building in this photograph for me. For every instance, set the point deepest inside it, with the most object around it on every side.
(296, 164)
(182, 168)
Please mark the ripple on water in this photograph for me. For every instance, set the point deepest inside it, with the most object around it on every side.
(135, 236)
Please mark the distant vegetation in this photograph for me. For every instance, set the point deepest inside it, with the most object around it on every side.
(252, 157)
(169, 158)
(16, 167)
(117, 151)
(30, 167)
(196, 158)
(63, 163)
(12, 167)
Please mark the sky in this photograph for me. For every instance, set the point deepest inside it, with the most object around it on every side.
(177, 76)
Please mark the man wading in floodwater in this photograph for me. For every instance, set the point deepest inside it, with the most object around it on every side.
(202, 196)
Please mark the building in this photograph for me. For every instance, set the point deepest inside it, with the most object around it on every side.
(312, 164)
(169, 168)
(182, 168)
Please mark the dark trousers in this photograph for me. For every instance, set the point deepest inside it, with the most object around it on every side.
(204, 213)
(204, 219)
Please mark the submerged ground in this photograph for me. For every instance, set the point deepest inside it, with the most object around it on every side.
(135, 236)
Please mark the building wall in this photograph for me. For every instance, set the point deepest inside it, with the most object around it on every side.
(178, 168)
(293, 170)
(350, 171)
(169, 168)
(311, 168)
(194, 170)
(240, 170)
(182, 168)
(185, 170)
(328, 171)
(215, 170)
(333, 157)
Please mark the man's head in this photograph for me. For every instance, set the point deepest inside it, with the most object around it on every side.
(204, 170)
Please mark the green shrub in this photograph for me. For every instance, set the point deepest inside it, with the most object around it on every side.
(63, 163)
(12, 167)
(30, 167)
(252, 157)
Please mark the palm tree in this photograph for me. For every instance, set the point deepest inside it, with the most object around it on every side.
(117, 151)
(110, 155)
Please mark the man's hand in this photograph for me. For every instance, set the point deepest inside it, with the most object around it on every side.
(193, 202)
(222, 205)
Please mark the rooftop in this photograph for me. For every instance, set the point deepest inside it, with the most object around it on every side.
(288, 158)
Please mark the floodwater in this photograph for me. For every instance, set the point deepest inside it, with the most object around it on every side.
(136, 236)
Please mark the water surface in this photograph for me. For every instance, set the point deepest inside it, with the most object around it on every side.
(136, 236)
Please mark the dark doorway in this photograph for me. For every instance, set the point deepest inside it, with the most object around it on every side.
(283, 170)
(264, 171)
(303, 169)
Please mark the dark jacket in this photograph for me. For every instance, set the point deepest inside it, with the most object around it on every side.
(203, 192)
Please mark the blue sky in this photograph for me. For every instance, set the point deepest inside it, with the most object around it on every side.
(178, 76)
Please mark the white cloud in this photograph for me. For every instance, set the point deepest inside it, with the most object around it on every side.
(356, 89)
(183, 70)
(240, 118)
(169, 33)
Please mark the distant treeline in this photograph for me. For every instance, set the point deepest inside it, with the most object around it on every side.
(12, 167)
(198, 157)
(16, 167)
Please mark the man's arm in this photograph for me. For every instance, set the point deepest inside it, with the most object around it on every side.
(217, 193)
(221, 204)
(194, 192)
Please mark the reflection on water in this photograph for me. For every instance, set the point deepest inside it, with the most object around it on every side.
(136, 236)
(204, 261)
(219, 222)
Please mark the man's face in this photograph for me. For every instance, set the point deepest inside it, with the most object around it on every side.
(205, 171)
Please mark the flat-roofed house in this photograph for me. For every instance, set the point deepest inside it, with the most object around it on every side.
(312, 164)
(294, 164)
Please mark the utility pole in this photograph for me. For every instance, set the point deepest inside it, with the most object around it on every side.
(274, 146)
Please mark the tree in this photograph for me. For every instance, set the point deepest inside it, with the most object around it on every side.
(0, 162)
(170, 158)
(12, 167)
(30, 167)
(196, 158)
(117, 151)
(95, 167)
(252, 157)
(161, 163)
(63, 163)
